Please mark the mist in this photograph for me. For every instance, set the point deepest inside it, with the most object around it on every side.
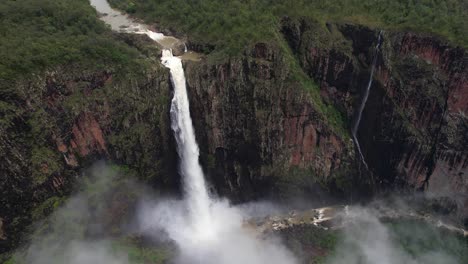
(367, 240)
(82, 229)
(76, 231)
(228, 240)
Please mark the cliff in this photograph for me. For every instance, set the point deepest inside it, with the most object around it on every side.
(262, 132)
(66, 119)
(414, 127)
(272, 122)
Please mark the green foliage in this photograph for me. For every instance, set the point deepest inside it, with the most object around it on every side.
(210, 161)
(332, 116)
(44, 162)
(39, 34)
(231, 25)
(295, 182)
(311, 242)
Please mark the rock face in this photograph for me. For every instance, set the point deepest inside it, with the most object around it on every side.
(414, 127)
(256, 127)
(260, 132)
(66, 120)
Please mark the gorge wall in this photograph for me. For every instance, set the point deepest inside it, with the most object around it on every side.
(262, 130)
(67, 119)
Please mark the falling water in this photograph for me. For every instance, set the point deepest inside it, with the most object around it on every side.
(181, 123)
(364, 100)
(197, 198)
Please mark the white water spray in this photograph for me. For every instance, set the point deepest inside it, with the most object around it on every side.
(364, 101)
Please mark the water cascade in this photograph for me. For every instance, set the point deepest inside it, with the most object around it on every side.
(364, 100)
(190, 169)
(206, 230)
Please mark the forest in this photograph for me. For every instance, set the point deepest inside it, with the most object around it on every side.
(230, 25)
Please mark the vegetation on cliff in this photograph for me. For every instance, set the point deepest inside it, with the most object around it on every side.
(71, 92)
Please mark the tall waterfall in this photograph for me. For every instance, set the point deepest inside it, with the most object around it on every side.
(206, 230)
(197, 197)
(364, 100)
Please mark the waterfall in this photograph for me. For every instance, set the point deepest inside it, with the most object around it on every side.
(355, 127)
(206, 230)
(197, 197)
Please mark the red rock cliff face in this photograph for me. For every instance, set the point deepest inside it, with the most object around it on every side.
(414, 127)
(66, 120)
(87, 136)
(451, 61)
(447, 170)
(256, 125)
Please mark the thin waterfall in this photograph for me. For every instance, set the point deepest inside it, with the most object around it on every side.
(355, 127)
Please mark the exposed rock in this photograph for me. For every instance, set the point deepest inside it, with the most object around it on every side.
(87, 136)
(178, 48)
(336, 217)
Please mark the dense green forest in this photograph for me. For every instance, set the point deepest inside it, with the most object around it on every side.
(39, 34)
(230, 25)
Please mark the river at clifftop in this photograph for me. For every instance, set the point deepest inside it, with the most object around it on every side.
(123, 23)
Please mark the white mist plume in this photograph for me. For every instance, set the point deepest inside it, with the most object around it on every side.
(232, 243)
(368, 241)
(61, 237)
